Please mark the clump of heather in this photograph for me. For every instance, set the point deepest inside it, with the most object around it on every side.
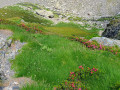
(30, 29)
(94, 45)
(76, 80)
(27, 28)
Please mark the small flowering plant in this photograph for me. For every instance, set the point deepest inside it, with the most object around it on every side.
(83, 73)
(76, 80)
(70, 85)
(30, 29)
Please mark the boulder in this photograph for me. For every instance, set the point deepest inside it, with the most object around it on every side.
(112, 30)
(106, 41)
(44, 13)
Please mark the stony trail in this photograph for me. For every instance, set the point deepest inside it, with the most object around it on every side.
(8, 50)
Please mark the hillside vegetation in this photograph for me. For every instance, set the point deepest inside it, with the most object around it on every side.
(50, 55)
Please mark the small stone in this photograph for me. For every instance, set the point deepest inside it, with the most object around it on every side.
(16, 83)
(1, 88)
(9, 42)
(7, 88)
(16, 88)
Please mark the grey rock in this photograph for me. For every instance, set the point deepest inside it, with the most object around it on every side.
(7, 52)
(44, 13)
(1, 88)
(10, 88)
(112, 30)
(7, 88)
(106, 41)
(16, 88)
(9, 42)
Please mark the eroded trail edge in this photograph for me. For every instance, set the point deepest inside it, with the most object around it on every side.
(8, 51)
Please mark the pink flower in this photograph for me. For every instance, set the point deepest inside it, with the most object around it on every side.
(73, 86)
(94, 46)
(91, 45)
(77, 38)
(80, 66)
(91, 72)
(83, 42)
(115, 52)
(79, 89)
(23, 25)
(65, 82)
(95, 70)
(88, 46)
(100, 46)
(71, 72)
(89, 41)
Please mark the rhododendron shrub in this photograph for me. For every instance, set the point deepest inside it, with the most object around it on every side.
(27, 28)
(76, 80)
(94, 45)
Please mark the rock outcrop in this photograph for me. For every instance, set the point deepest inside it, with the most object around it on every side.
(112, 30)
(44, 13)
(7, 52)
(106, 41)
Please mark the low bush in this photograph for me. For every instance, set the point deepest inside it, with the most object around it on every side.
(94, 45)
(32, 29)
(76, 80)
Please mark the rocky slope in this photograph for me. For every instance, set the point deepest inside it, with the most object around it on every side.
(82, 8)
(7, 52)
(112, 30)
